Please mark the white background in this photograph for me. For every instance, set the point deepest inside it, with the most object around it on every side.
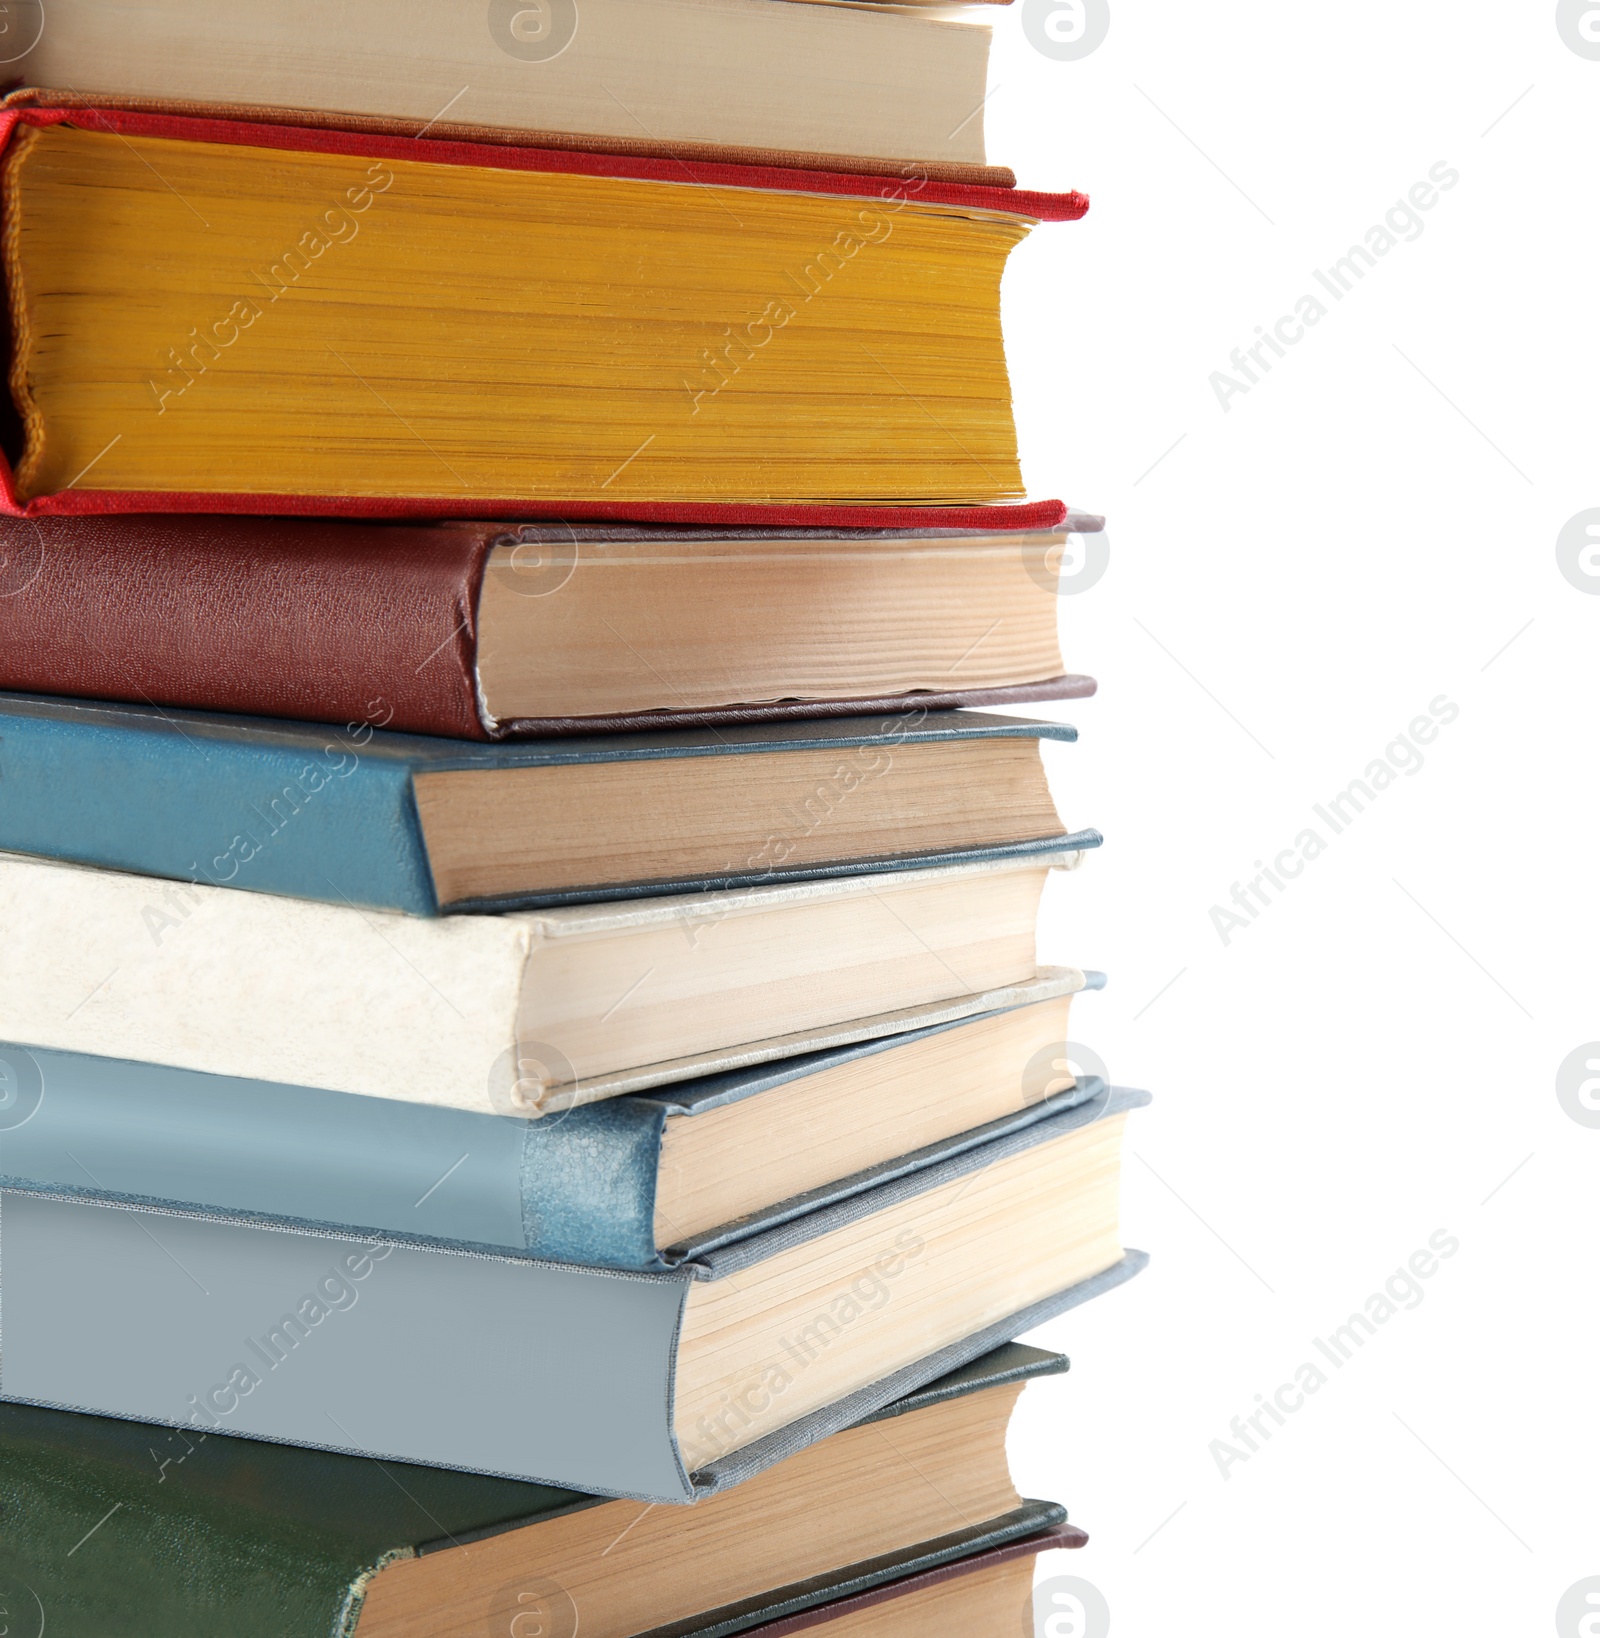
(1374, 1057)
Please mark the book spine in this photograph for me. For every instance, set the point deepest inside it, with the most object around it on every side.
(190, 1141)
(589, 1184)
(332, 823)
(366, 627)
(369, 1347)
(578, 1188)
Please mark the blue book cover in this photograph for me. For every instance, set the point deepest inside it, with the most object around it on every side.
(315, 812)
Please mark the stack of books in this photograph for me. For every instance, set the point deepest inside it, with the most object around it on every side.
(529, 1103)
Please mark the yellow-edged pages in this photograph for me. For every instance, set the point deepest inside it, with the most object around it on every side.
(197, 317)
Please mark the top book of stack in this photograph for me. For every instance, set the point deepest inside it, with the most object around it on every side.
(836, 87)
(245, 297)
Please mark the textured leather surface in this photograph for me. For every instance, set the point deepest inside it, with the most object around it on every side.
(355, 623)
(985, 176)
(319, 621)
(589, 1184)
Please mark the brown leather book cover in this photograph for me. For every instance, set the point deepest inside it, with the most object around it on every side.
(317, 621)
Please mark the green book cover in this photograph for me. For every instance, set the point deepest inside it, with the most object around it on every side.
(127, 1529)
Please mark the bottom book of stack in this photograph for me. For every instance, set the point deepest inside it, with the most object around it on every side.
(905, 1522)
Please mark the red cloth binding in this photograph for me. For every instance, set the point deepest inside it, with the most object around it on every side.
(69, 503)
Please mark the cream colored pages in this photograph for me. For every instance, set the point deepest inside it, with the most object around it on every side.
(747, 73)
(714, 981)
(640, 626)
(907, 1281)
(781, 966)
(255, 985)
(878, 1488)
(819, 1038)
(722, 1163)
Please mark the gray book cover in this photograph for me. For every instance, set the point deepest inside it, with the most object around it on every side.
(421, 1353)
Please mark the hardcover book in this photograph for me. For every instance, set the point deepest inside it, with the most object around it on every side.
(521, 1013)
(425, 825)
(493, 630)
(640, 1182)
(393, 326)
(687, 78)
(659, 1386)
(195, 1535)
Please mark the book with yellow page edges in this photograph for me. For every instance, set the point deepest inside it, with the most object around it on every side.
(212, 315)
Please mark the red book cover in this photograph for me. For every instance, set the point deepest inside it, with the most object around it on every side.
(372, 624)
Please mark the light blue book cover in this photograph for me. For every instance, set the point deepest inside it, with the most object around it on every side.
(574, 1187)
(507, 1365)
